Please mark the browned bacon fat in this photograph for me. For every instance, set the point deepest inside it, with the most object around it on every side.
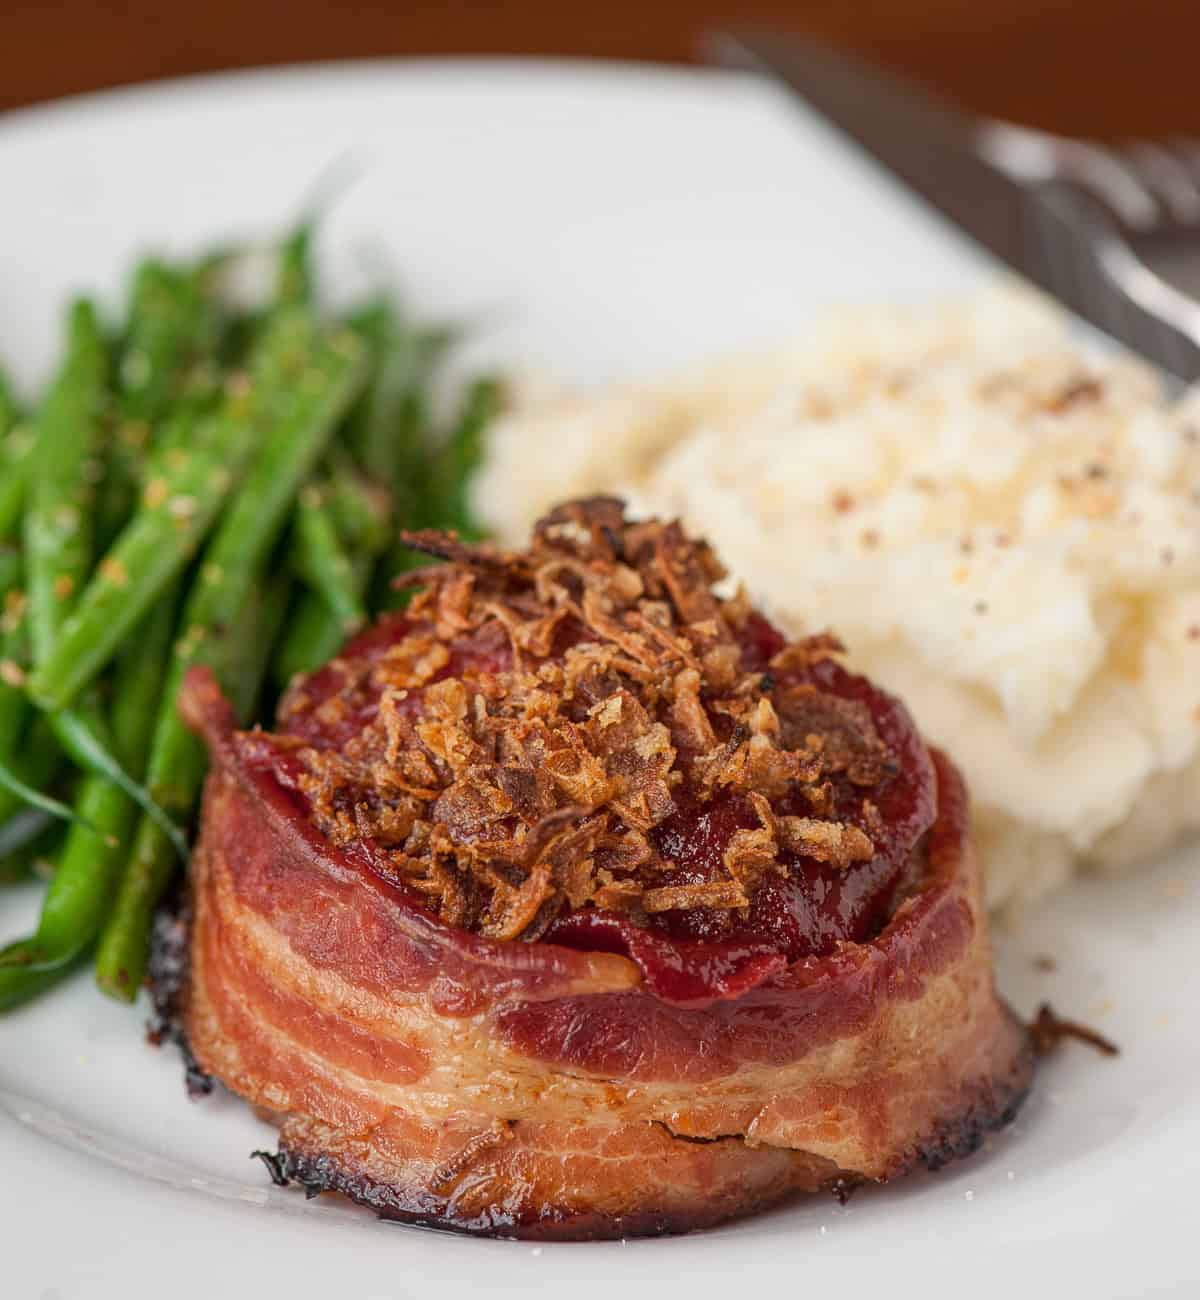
(574, 902)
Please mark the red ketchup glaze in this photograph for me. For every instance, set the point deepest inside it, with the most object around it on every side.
(685, 956)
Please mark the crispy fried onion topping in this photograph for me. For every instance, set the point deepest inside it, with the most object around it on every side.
(509, 794)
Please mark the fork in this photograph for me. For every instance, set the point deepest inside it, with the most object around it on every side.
(1110, 234)
(1138, 273)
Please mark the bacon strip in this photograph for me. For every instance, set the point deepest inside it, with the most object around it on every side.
(535, 1090)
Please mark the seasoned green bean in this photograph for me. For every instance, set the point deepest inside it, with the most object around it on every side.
(314, 633)
(250, 643)
(222, 485)
(387, 429)
(294, 279)
(319, 559)
(361, 508)
(177, 509)
(14, 659)
(10, 572)
(23, 986)
(28, 838)
(320, 379)
(16, 458)
(58, 523)
(314, 378)
(461, 456)
(245, 650)
(9, 410)
(170, 321)
(437, 494)
(35, 764)
(58, 533)
(15, 443)
(80, 893)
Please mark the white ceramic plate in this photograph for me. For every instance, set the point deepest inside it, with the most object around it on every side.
(606, 221)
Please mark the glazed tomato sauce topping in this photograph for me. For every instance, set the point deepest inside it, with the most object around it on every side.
(868, 784)
(805, 914)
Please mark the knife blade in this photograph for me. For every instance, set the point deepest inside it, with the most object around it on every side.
(920, 140)
(1012, 190)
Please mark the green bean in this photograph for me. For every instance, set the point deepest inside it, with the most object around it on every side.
(414, 500)
(9, 410)
(36, 763)
(16, 866)
(190, 420)
(317, 628)
(141, 669)
(437, 495)
(58, 523)
(313, 633)
(368, 431)
(312, 403)
(319, 559)
(58, 545)
(176, 512)
(17, 987)
(19, 831)
(175, 438)
(386, 430)
(295, 283)
(80, 893)
(10, 572)
(58, 533)
(320, 379)
(241, 332)
(16, 787)
(361, 508)
(29, 757)
(414, 445)
(315, 379)
(15, 444)
(248, 651)
(294, 278)
(122, 949)
(462, 454)
(14, 707)
(58, 552)
(172, 321)
(26, 840)
(124, 943)
(16, 459)
(74, 906)
(85, 735)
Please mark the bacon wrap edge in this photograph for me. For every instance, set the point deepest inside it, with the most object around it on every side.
(536, 1091)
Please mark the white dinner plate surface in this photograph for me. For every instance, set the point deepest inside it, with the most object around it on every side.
(598, 221)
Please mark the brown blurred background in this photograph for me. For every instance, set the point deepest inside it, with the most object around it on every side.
(1106, 67)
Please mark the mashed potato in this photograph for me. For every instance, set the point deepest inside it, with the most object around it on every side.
(1004, 531)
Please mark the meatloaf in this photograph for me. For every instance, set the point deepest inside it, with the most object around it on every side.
(571, 901)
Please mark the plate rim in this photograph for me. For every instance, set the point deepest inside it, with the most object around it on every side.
(188, 91)
(597, 69)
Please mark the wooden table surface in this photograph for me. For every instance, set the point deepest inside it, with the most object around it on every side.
(1105, 67)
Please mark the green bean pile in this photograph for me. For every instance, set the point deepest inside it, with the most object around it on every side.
(206, 484)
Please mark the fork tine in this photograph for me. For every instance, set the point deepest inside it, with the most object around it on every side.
(1168, 178)
(1072, 271)
(1187, 151)
(1111, 178)
(1100, 279)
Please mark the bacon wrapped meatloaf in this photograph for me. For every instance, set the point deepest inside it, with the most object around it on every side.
(573, 902)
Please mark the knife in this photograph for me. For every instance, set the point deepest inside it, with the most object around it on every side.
(1046, 206)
